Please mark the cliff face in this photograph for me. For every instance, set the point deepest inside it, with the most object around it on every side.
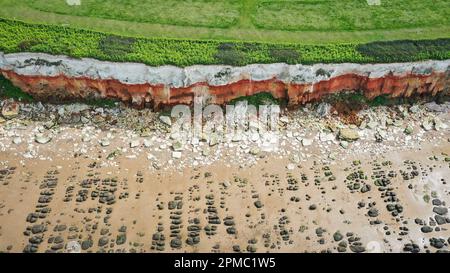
(59, 77)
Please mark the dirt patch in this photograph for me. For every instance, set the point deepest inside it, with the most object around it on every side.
(348, 112)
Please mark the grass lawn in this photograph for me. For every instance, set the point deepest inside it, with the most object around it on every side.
(331, 15)
(307, 21)
(206, 13)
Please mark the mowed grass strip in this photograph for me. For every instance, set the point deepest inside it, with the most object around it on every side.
(303, 15)
(331, 15)
(205, 13)
(243, 30)
(16, 36)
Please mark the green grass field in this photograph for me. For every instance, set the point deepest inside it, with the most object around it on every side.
(339, 15)
(307, 21)
(235, 32)
(204, 13)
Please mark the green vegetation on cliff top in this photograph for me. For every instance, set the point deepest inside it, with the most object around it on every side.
(234, 32)
(17, 36)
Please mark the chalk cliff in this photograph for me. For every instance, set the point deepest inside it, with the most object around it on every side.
(60, 77)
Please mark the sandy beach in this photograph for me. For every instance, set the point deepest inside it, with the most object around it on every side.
(102, 185)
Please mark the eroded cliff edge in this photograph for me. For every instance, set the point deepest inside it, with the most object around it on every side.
(60, 77)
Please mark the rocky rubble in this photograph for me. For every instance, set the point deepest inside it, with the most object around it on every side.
(124, 132)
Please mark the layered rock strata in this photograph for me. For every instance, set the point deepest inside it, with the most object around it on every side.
(59, 77)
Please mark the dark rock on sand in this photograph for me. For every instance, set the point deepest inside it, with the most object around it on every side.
(440, 210)
(337, 236)
(86, 244)
(121, 239)
(258, 204)
(426, 229)
(103, 241)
